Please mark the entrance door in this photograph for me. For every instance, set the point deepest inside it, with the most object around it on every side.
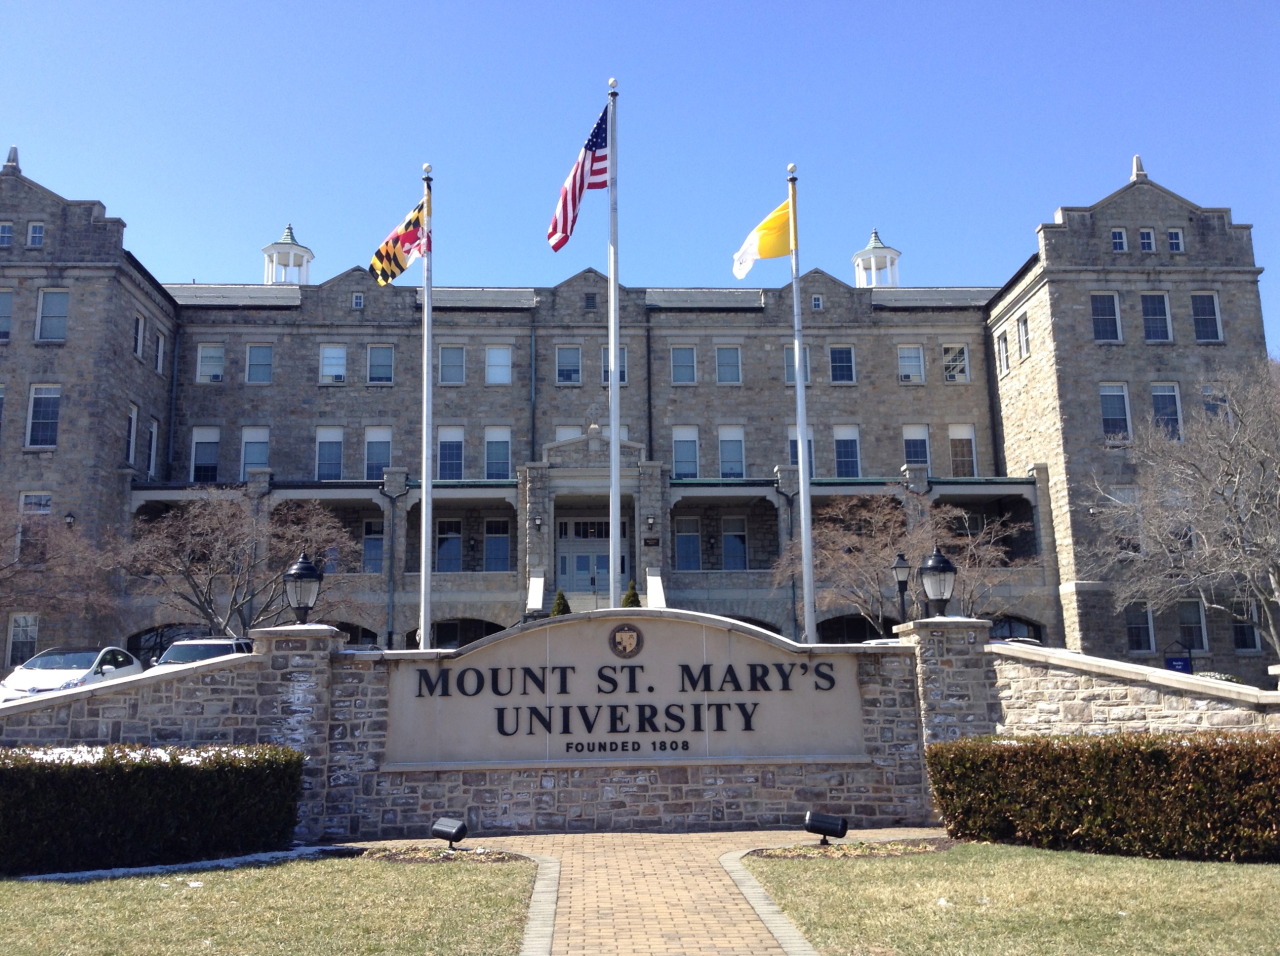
(590, 572)
(582, 553)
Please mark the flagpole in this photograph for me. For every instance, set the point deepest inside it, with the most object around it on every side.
(802, 423)
(615, 392)
(428, 430)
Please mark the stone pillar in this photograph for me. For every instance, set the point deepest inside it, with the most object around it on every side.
(293, 707)
(955, 677)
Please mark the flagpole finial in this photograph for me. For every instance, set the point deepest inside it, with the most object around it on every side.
(613, 83)
(791, 168)
(426, 168)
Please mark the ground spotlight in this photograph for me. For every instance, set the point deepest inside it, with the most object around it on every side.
(826, 824)
(449, 829)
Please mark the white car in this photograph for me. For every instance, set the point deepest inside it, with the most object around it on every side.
(203, 648)
(61, 668)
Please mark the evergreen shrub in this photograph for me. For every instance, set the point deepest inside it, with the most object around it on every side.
(121, 806)
(1203, 796)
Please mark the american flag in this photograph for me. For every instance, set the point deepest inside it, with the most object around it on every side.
(591, 171)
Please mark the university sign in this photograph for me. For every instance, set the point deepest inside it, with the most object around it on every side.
(657, 687)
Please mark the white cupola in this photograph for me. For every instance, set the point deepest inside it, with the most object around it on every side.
(876, 265)
(285, 254)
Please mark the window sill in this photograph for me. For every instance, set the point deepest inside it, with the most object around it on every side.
(379, 384)
(47, 342)
(30, 449)
(1108, 341)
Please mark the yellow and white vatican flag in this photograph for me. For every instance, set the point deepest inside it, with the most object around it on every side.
(769, 240)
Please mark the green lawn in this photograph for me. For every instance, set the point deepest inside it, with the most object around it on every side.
(351, 907)
(984, 900)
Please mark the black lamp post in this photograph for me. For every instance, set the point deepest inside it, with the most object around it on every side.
(901, 573)
(302, 586)
(938, 575)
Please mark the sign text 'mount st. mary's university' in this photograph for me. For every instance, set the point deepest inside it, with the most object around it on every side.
(645, 690)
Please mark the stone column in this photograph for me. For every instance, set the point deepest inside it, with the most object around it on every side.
(293, 707)
(955, 677)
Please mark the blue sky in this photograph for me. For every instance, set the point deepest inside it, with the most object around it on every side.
(955, 128)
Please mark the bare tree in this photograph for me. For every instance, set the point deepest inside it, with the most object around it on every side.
(221, 558)
(857, 539)
(50, 567)
(1201, 516)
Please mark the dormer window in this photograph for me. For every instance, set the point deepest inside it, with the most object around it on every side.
(35, 234)
(1118, 241)
(589, 301)
(357, 300)
(1175, 240)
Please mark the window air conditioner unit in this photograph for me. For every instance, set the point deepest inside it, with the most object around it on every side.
(338, 378)
(215, 378)
(953, 376)
(906, 377)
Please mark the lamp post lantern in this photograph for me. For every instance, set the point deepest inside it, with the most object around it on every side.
(901, 573)
(302, 586)
(938, 575)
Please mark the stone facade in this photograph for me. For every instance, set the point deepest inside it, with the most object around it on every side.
(999, 386)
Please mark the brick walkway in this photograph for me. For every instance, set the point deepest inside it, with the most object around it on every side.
(658, 894)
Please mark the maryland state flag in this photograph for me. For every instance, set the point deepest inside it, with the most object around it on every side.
(408, 241)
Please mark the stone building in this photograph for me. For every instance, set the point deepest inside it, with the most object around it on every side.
(126, 394)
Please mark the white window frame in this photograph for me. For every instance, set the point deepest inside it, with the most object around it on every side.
(684, 435)
(497, 545)
(815, 303)
(131, 438)
(1176, 240)
(357, 300)
(907, 373)
(374, 531)
(1094, 317)
(257, 437)
(789, 365)
(35, 234)
(251, 366)
(377, 435)
(917, 433)
(329, 435)
(682, 368)
(1146, 239)
(569, 366)
(456, 366)
(1113, 389)
(211, 362)
(496, 370)
(206, 435)
(1167, 389)
(44, 316)
(1202, 645)
(6, 234)
(1002, 353)
(1217, 316)
(1119, 239)
(734, 368)
(1248, 611)
(153, 446)
(959, 433)
(844, 433)
(139, 336)
(568, 432)
(162, 346)
(793, 449)
(1160, 299)
(43, 390)
(390, 364)
(852, 364)
(955, 363)
(1144, 609)
(451, 435)
(26, 623)
(622, 365)
(733, 435)
(1023, 326)
(6, 315)
(686, 530)
(497, 435)
(333, 363)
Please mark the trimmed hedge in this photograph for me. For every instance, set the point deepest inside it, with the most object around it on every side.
(141, 806)
(1171, 796)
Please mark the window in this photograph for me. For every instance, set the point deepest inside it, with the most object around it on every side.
(568, 365)
(377, 451)
(6, 314)
(1213, 400)
(449, 452)
(23, 629)
(210, 359)
(204, 454)
(789, 364)
(684, 367)
(1118, 241)
(847, 462)
(257, 367)
(497, 544)
(42, 416)
(955, 363)
(1106, 317)
(1147, 240)
(153, 446)
(329, 453)
(449, 545)
(910, 363)
(732, 455)
(1024, 337)
(35, 234)
(684, 451)
(815, 303)
(1175, 240)
(1191, 629)
(139, 335)
(1204, 315)
(35, 508)
(733, 534)
(915, 445)
(371, 550)
(843, 369)
(565, 432)
(1141, 632)
(793, 452)
(963, 454)
(453, 369)
(357, 300)
(728, 365)
(1166, 410)
(497, 452)
(52, 325)
(1155, 317)
(688, 545)
(333, 364)
(381, 359)
(622, 365)
(161, 342)
(497, 365)
(6, 233)
(1244, 628)
(589, 300)
(253, 449)
(1002, 353)
(1115, 411)
(131, 433)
